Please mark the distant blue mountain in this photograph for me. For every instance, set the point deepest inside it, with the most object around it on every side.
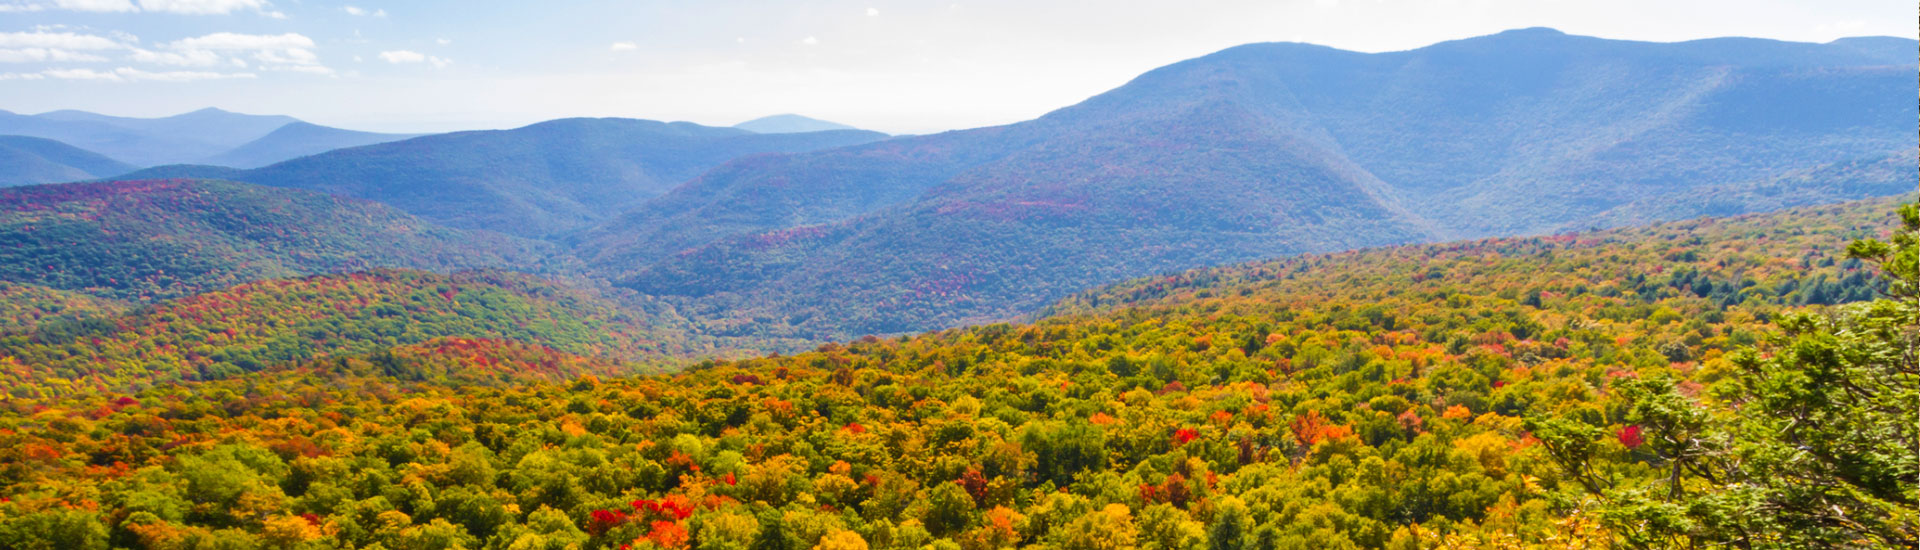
(297, 140)
(29, 160)
(206, 136)
(790, 124)
(180, 138)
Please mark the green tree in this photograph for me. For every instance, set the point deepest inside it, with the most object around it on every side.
(1812, 444)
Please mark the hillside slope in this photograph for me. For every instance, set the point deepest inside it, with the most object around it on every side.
(144, 240)
(29, 160)
(284, 322)
(1263, 150)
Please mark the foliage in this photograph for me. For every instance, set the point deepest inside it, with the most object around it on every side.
(157, 239)
(251, 327)
(1366, 399)
(25, 306)
(1807, 442)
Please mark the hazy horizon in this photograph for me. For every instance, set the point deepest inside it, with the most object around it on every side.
(893, 67)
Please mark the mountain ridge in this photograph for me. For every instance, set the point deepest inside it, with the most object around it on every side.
(1524, 132)
(531, 181)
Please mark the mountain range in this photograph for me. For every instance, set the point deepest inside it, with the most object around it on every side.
(533, 181)
(1259, 151)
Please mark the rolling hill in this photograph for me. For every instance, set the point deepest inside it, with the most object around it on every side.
(29, 160)
(295, 140)
(145, 240)
(1265, 150)
(533, 181)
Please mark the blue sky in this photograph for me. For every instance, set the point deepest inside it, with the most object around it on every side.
(903, 66)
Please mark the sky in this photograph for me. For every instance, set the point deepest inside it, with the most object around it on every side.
(899, 66)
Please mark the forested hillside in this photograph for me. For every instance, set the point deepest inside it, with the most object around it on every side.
(254, 326)
(156, 239)
(1383, 398)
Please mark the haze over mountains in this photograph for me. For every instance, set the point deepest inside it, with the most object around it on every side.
(206, 136)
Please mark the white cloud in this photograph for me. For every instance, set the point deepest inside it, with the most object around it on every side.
(43, 55)
(403, 56)
(130, 74)
(443, 41)
(358, 11)
(399, 57)
(309, 69)
(810, 41)
(282, 52)
(95, 5)
(623, 47)
(22, 76)
(236, 41)
(176, 76)
(182, 58)
(80, 74)
(198, 7)
(61, 40)
(355, 11)
(873, 12)
(189, 7)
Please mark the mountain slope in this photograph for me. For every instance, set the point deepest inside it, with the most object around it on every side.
(296, 140)
(537, 180)
(24, 306)
(29, 160)
(143, 240)
(790, 124)
(1256, 151)
(186, 137)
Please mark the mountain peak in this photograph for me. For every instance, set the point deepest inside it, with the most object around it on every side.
(789, 123)
(1532, 31)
